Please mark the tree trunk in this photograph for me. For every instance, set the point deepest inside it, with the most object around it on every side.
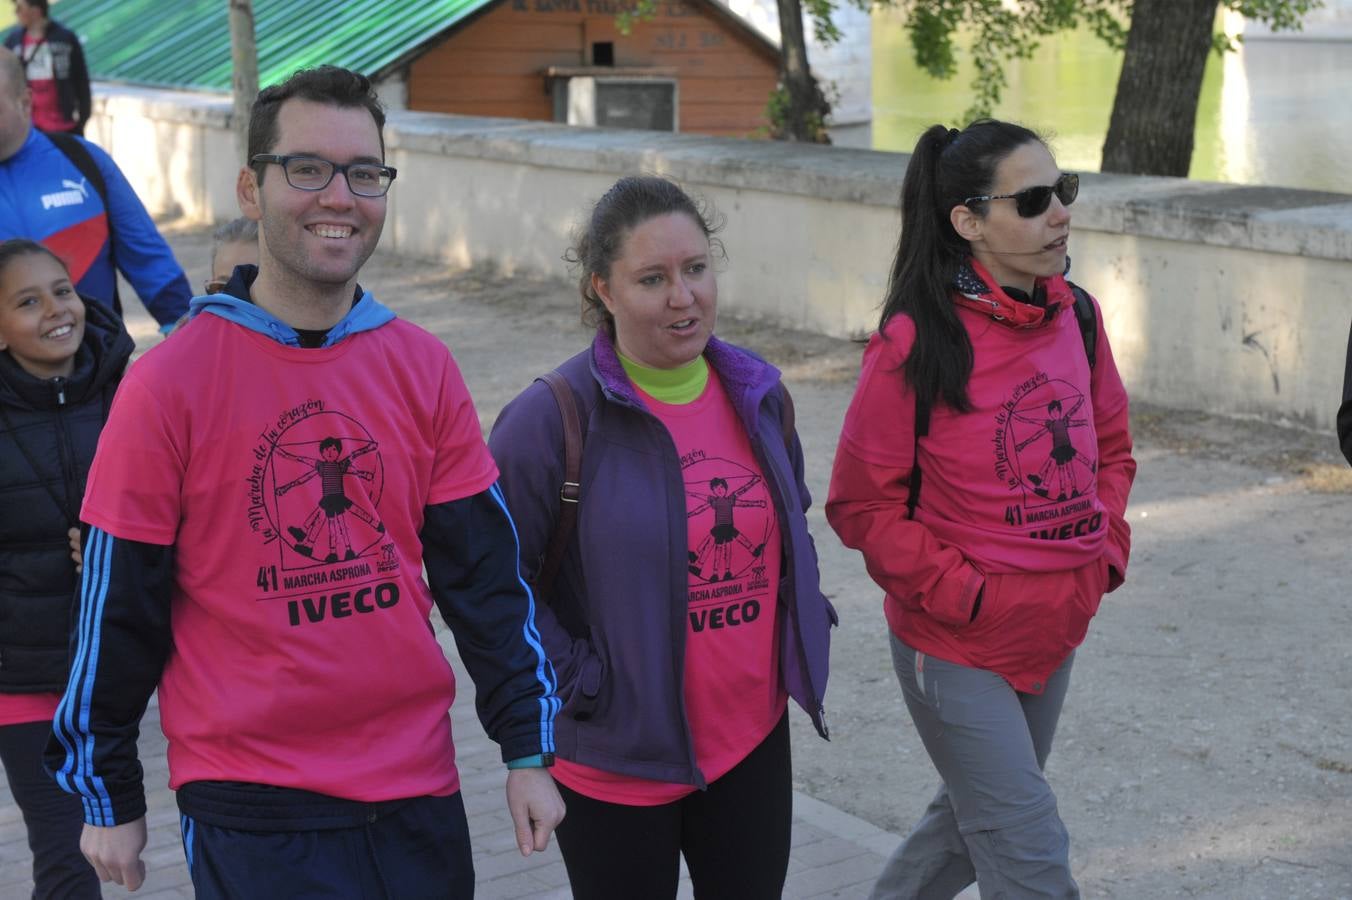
(244, 61)
(807, 109)
(1155, 111)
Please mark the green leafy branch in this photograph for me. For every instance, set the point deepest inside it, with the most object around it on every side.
(1003, 32)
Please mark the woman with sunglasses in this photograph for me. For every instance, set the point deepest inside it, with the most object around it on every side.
(983, 472)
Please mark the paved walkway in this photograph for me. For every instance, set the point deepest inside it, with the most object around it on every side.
(834, 854)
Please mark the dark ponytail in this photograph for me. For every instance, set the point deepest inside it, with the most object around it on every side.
(946, 167)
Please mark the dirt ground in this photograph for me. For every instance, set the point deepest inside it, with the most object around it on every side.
(1206, 746)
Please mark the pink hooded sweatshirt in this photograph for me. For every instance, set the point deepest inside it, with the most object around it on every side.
(1022, 498)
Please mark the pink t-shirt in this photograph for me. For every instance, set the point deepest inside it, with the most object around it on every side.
(292, 483)
(734, 695)
(16, 709)
(37, 57)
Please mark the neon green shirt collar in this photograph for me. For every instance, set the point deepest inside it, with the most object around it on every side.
(676, 386)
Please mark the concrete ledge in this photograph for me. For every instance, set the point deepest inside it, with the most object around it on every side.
(195, 107)
(1272, 219)
(1280, 220)
(825, 173)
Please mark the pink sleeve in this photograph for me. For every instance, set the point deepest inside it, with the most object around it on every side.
(135, 483)
(462, 466)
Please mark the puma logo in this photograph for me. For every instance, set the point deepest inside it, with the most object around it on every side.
(75, 192)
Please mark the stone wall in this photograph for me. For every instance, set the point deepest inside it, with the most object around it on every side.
(1229, 298)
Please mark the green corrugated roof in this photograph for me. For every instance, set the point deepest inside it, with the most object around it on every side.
(186, 43)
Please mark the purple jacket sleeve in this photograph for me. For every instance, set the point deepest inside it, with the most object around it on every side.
(527, 443)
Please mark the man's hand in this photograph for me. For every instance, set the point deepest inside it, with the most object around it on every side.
(115, 852)
(74, 536)
(535, 805)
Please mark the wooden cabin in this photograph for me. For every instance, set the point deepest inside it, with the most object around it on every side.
(694, 67)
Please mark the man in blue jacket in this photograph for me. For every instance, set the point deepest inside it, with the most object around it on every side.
(44, 196)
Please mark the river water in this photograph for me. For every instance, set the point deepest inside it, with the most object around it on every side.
(1276, 112)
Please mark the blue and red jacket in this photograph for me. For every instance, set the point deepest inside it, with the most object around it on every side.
(43, 197)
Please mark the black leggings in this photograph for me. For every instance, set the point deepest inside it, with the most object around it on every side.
(53, 817)
(735, 835)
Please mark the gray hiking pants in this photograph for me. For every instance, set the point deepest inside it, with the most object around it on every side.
(994, 820)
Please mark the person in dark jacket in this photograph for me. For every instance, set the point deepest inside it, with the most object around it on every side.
(686, 608)
(60, 361)
(1345, 410)
(54, 64)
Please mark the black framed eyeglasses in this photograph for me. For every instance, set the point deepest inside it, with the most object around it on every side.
(1034, 201)
(311, 173)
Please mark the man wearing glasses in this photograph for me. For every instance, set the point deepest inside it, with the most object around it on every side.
(267, 490)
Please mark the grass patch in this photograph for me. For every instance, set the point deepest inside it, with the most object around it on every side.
(1327, 478)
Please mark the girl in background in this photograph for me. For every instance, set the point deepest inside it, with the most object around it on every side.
(60, 362)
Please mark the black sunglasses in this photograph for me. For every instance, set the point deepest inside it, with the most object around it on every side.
(1034, 201)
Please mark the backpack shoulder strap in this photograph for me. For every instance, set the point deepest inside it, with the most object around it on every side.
(80, 157)
(570, 492)
(786, 423)
(922, 423)
(1088, 320)
(78, 154)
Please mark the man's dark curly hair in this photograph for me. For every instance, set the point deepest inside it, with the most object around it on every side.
(330, 85)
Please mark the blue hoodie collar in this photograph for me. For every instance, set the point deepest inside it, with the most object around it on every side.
(367, 314)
